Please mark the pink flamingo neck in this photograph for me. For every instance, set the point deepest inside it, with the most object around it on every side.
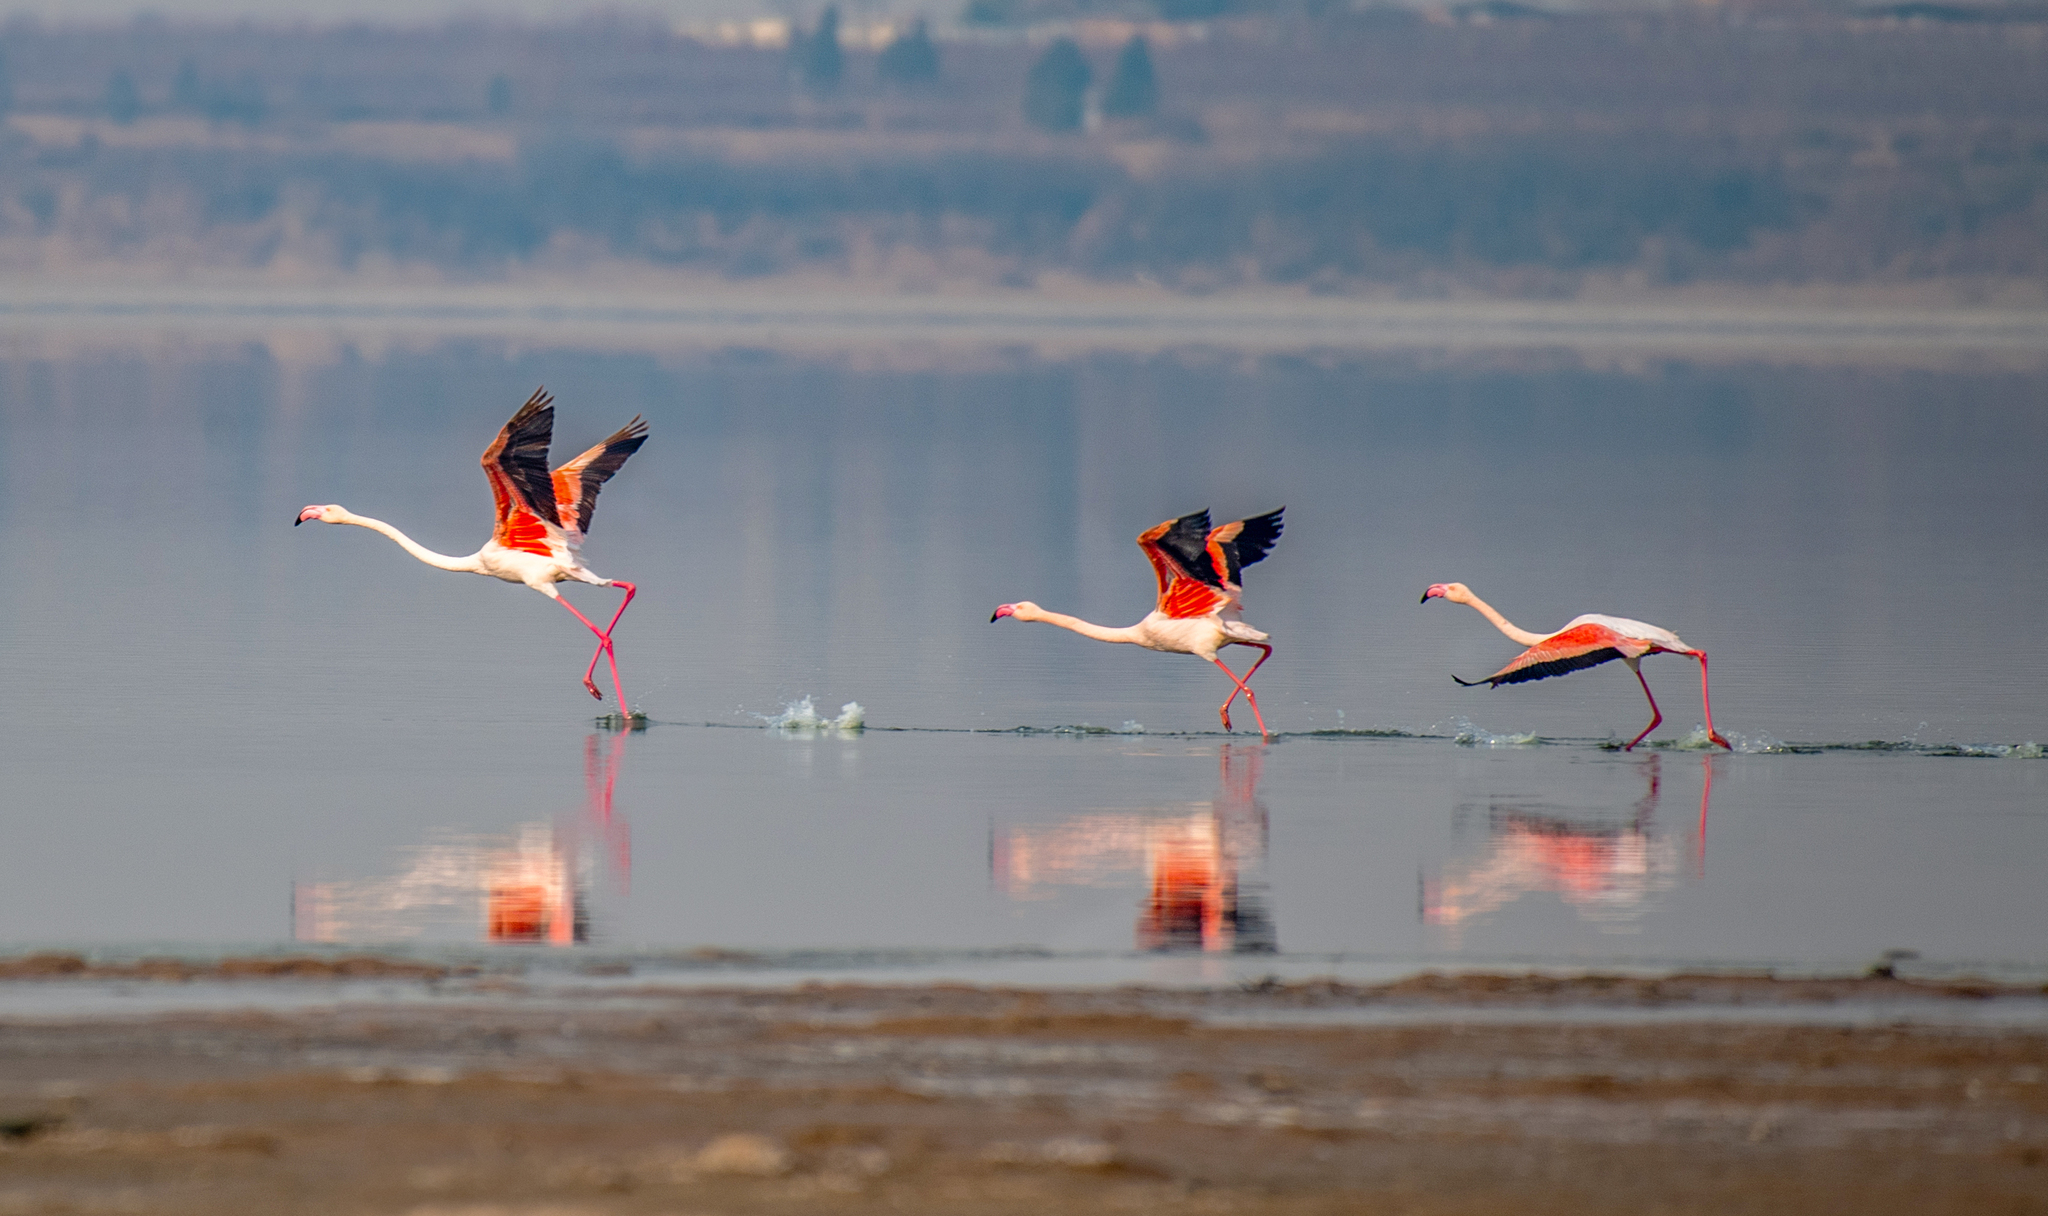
(1502, 623)
(440, 561)
(1087, 629)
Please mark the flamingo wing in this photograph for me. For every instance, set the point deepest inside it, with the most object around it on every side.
(1568, 650)
(1234, 546)
(576, 483)
(1190, 584)
(517, 465)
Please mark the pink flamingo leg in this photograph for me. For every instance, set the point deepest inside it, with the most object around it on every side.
(1657, 715)
(1250, 698)
(1247, 678)
(605, 646)
(1705, 704)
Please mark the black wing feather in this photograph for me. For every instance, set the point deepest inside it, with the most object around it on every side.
(616, 449)
(525, 455)
(1556, 667)
(1187, 541)
(1255, 539)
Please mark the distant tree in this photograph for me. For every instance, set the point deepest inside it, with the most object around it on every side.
(1056, 88)
(910, 58)
(122, 102)
(498, 96)
(1133, 91)
(1191, 10)
(241, 101)
(187, 93)
(816, 56)
(989, 12)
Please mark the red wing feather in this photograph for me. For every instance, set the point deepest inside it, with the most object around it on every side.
(516, 464)
(524, 531)
(1171, 547)
(1188, 599)
(1161, 544)
(1571, 650)
(1216, 547)
(576, 483)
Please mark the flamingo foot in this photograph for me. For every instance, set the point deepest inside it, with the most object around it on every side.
(1225, 712)
(1716, 737)
(591, 687)
(1646, 732)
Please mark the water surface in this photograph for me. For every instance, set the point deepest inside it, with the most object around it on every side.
(224, 729)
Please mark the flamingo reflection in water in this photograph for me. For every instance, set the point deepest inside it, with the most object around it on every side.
(1203, 869)
(531, 886)
(1608, 871)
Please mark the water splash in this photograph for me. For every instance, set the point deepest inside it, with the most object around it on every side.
(802, 717)
(2004, 751)
(1465, 734)
(1760, 744)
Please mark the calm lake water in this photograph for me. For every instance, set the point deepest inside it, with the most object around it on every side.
(223, 730)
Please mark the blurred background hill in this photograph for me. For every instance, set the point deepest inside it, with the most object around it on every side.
(1894, 151)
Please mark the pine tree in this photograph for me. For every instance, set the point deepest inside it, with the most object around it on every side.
(1056, 88)
(1134, 91)
(989, 12)
(819, 63)
(122, 102)
(186, 91)
(910, 58)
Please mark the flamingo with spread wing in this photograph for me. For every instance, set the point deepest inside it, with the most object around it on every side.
(1199, 568)
(1585, 641)
(542, 518)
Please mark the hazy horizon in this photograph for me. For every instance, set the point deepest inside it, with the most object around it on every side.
(429, 12)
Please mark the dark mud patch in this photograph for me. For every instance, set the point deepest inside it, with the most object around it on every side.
(59, 966)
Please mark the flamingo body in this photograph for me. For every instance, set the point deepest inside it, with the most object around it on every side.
(1585, 641)
(1199, 569)
(542, 518)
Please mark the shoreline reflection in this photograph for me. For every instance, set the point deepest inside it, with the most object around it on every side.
(531, 886)
(1203, 864)
(1610, 872)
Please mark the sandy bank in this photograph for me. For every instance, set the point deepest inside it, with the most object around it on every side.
(955, 1099)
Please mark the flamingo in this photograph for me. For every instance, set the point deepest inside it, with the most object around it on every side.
(1585, 641)
(542, 518)
(1199, 596)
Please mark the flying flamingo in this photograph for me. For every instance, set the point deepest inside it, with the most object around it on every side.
(1199, 596)
(542, 518)
(1585, 641)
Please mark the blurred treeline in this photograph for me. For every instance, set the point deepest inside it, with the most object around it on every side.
(1494, 148)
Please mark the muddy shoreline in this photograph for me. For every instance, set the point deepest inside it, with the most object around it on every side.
(940, 1098)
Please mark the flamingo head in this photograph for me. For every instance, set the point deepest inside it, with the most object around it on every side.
(1454, 592)
(1023, 610)
(329, 514)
